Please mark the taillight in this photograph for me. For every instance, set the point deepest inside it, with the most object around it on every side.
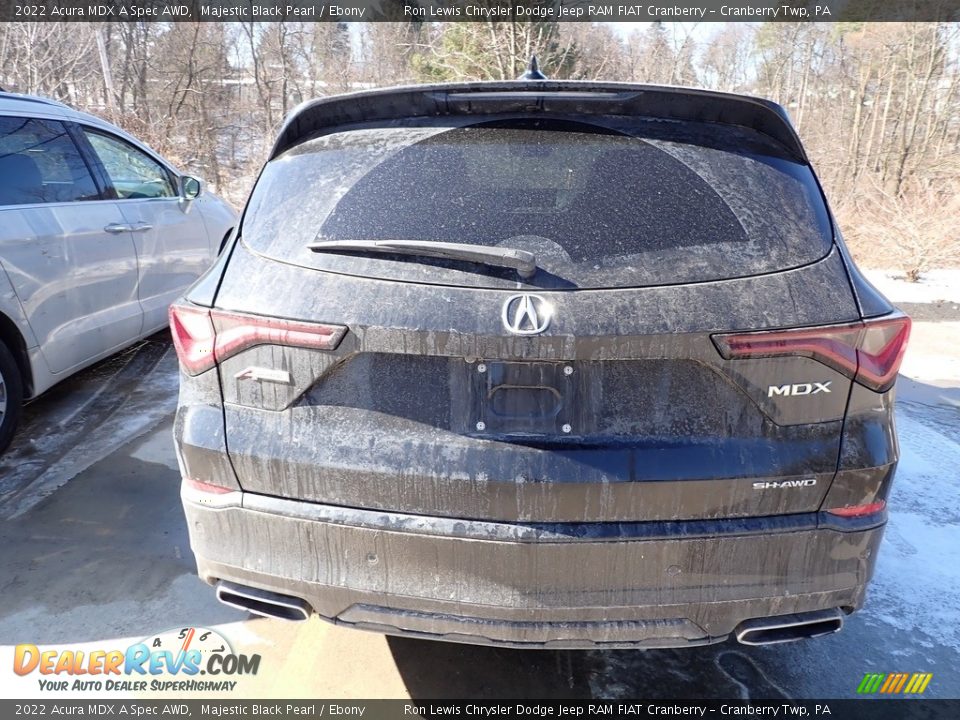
(859, 510)
(881, 351)
(870, 351)
(204, 337)
(193, 337)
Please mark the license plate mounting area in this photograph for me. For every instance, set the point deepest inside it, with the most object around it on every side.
(530, 398)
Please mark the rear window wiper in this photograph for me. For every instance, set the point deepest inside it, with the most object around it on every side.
(525, 263)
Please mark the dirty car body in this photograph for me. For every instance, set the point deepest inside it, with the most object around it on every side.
(674, 426)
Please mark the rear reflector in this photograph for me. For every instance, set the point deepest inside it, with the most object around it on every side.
(204, 337)
(198, 492)
(869, 351)
(207, 487)
(859, 510)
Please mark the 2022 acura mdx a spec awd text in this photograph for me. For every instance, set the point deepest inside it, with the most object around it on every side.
(542, 364)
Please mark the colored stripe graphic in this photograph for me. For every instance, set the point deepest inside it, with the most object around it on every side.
(887, 683)
(894, 683)
(914, 683)
(870, 683)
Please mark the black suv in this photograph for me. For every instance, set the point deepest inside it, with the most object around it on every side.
(541, 364)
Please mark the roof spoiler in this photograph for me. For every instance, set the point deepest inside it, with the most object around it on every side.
(327, 115)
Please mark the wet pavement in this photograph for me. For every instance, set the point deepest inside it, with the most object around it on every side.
(94, 548)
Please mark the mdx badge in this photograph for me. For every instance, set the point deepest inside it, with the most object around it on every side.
(526, 314)
(799, 389)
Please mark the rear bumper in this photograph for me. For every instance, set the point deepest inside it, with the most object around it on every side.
(607, 585)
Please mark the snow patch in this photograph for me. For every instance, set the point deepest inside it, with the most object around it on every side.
(917, 579)
(941, 285)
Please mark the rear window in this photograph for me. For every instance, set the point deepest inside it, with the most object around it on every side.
(619, 205)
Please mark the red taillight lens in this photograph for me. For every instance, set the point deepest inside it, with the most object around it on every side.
(869, 351)
(236, 332)
(881, 351)
(204, 337)
(193, 337)
(859, 510)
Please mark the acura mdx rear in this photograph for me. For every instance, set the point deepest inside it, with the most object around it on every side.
(540, 364)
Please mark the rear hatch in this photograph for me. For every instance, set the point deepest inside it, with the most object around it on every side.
(604, 387)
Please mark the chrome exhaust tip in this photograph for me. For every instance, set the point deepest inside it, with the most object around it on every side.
(787, 628)
(262, 602)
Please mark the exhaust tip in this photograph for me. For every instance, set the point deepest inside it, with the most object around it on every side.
(262, 602)
(788, 628)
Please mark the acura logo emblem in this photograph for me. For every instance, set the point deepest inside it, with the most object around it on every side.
(526, 314)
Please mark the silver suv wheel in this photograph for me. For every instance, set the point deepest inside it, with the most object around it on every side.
(3, 397)
(11, 396)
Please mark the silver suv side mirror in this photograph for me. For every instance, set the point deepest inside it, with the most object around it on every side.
(190, 187)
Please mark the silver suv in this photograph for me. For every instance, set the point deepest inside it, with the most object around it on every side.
(98, 234)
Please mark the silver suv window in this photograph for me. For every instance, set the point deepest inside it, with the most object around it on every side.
(39, 163)
(133, 173)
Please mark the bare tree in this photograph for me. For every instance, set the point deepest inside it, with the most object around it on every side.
(877, 104)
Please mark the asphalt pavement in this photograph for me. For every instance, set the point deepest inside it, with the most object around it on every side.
(94, 549)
